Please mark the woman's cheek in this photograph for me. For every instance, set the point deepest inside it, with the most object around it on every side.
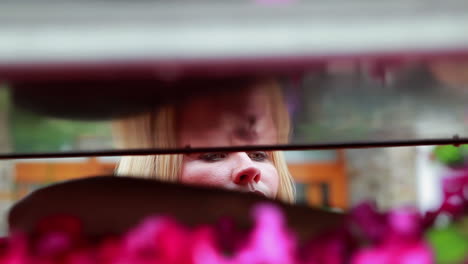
(207, 174)
(271, 178)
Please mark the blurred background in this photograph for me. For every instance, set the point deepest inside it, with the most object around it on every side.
(338, 104)
(350, 72)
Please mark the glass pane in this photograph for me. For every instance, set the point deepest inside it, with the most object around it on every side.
(342, 102)
(334, 179)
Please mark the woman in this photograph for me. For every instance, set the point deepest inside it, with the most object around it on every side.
(254, 114)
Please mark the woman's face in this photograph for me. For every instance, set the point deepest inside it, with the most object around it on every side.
(230, 120)
(241, 171)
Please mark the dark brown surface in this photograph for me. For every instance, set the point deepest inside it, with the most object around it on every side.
(113, 97)
(111, 205)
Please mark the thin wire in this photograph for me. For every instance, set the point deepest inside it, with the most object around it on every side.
(455, 140)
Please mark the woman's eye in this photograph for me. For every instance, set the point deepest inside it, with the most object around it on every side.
(258, 155)
(213, 156)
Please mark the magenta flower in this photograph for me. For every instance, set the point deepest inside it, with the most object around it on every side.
(56, 237)
(401, 243)
(371, 223)
(81, 257)
(269, 242)
(54, 244)
(417, 253)
(203, 248)
(157, 239)
(229, 238)
(394, 237)
(404, 226)
(333, 247)
(109, 250)
(455, 190)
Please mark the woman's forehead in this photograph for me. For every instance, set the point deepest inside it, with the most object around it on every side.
(242, 118)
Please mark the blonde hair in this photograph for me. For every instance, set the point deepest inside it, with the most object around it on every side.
(157, 129)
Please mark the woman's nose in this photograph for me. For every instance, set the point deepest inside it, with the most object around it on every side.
(246, 172)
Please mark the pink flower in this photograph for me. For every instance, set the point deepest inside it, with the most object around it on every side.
(429, 218)
(229, 238)
(330, 248)
(56, 236)
(204, 249)
(454, 205)
(369, 221)
(372, 256)
(54, 244)
(404, 225)
(109, 250)
(81, 257)
(418, 253)
(15, 250)
(157, 239)
(396, 237)
(269, 242)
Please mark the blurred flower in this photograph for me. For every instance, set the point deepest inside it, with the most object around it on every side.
(109, 250)
(204, 249)
(404, 225)
(270, 241)
(157, 239)
(395, 237)
(332, 247)
(399, 236)
(57, 236)
(370, 223)
(14, 249)
(418, 253)
(229, 238)
(455, 193)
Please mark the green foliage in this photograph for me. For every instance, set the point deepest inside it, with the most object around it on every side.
(30, 132)
(450, 155)
(450, 243)
(33, 133)
(4, 97)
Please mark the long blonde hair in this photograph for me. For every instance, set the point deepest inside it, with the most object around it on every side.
(157, 129)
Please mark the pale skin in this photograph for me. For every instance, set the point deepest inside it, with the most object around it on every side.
(243, 119)
(241, 171)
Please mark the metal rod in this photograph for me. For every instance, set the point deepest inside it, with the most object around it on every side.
(455, 140)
